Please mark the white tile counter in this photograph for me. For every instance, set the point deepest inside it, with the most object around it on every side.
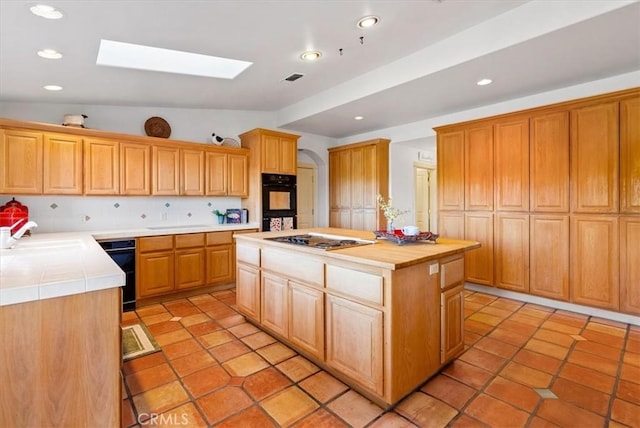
(47, 265)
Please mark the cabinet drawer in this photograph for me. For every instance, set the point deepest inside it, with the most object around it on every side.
(190, 240)
(219, 238)
(248, 254)
(451, 271)
(294, 266)
(155, 243)
(363, 286)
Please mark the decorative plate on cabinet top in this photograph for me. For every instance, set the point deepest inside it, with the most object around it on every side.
(157, 127)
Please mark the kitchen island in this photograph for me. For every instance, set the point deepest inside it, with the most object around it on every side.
(382, 317)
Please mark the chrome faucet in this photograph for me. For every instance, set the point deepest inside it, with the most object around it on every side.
(7, 240)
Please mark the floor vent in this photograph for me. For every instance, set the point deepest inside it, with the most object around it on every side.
(292, 77)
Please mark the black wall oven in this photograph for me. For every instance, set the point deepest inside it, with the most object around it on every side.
(278, 202)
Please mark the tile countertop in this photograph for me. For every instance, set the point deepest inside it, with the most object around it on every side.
(47, 265)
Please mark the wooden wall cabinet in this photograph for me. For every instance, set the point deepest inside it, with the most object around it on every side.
(192, 170)
(478, 169)
(62, 164)
(451, 171)
(549, 256)
(512, 165)
(279, 154)
(226, 174)
(630, 156)
(357, 174)
(21, 161)
(549, 154)
(595, 159)
(566, 199)
(101, 167)
(135, 169)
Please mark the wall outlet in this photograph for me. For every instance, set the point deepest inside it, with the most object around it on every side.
(165, 216)
(433, 269)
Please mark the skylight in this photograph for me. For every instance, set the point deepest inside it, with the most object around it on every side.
(128, 55)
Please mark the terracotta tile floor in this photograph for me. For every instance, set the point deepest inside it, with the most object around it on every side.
(215, 369)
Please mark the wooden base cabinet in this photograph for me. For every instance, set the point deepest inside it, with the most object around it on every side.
(248, 291)
(275, 297)
(549, 256)
(594, 276)
(630, 264)
(512, 251)
(306, 318)
(61, 360)
(451, 308)
(478, 226)
(355, 351)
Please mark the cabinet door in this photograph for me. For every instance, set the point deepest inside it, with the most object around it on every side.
(512, 252)
(237, 176)
(451, 224)
(62, 164)
(512, 166)
(165, 171)
(630, 264)
(595, 269)
(190, 266)
(101, 167)
(275, 312)
(306, 318)
(355, 351)
(135, 169)
(288, 156)
(451, 323)
(370, 185)
(334, 181)
(479, 262)
(345, 177)
(270, 154)
(155, 273)
(21, 162)
(451, 171)
(630, 156)
(549, 251)
(192, 172)
(216, 174)
(248, 291)
(478, 168)
(595, 159)
(219, 264)
(357, 178)
(549, 152)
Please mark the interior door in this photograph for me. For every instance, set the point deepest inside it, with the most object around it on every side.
(424, 198)
(306, 188)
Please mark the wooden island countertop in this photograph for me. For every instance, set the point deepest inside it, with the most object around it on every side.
(382, 318)
(384, 253)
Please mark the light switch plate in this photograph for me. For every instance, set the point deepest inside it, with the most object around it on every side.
(433, 269)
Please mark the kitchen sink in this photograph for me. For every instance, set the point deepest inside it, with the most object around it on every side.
(184, 226)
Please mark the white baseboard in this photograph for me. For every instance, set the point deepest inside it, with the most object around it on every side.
(556, 304)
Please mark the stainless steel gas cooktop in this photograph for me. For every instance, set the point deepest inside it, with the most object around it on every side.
(322, 242)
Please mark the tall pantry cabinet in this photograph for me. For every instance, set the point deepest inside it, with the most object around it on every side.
(357, 174)
(553, 196)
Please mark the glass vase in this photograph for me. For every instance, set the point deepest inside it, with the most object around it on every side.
(390, 226)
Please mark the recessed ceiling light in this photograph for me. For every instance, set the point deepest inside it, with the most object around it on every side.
(483, 82)
(49, 54)
(368, 21)
(310, 55)
(139, 57)
(358, 117)
(53, 87)
(46, 11)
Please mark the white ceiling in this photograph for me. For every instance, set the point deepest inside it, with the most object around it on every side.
(421, 61)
